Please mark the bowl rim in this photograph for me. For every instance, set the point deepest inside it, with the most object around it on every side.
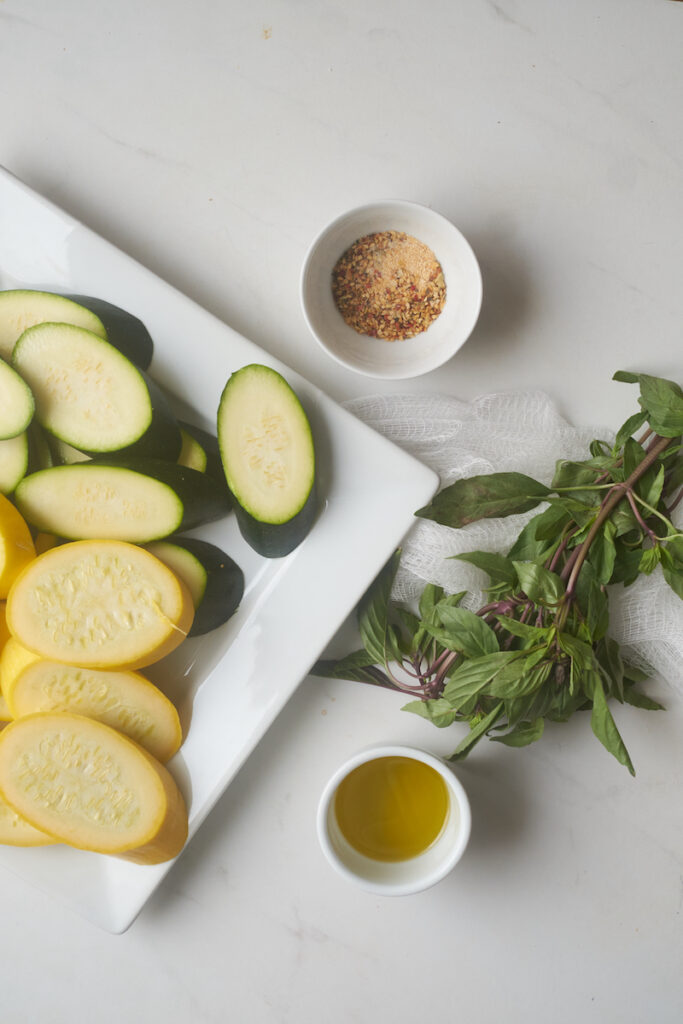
(423, 210)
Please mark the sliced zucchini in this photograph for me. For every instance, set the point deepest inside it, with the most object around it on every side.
(137, 500)
(124, 700)
(99, 604)
(192, 454)
(124, 331)
(16, 402)
(91, 396)
(64, 454)
(13, 462)
(215, 581)
(88, 785)
(23, 308)
(209, 444)
(267, 451)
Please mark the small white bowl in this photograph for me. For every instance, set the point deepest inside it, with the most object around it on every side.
(374, 357)
(396, 878)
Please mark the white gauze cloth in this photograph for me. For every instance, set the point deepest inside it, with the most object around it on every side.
(522, 432)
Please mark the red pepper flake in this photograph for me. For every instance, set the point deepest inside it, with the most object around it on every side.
(389, 278)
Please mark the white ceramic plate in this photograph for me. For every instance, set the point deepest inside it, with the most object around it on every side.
(229, 685)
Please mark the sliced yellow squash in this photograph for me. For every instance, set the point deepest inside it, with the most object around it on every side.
(89, 786)
(14, 657)
(124, 700)
(5, 714)
(16, 831)
(16, 544)
(99, 604)
(4, 631)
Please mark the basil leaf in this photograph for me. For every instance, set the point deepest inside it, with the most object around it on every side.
(625, 564)
(373, 616)
(634, 454)
(602, 554)
(649, 560)
(476, 733)
(609, 657)
(472, 676)
(603, 725)
(641, 700)
(540, 535)
(430, 597)
(627, 429)
(517, 679)
(533, 634)
(438, 711)
(498, 568)
(468, 632)
(484, 497)
(580, 477)
(650, 486)
(354, 667)
(522, 735)
(662, 399)
(593, 602)
(539, 584)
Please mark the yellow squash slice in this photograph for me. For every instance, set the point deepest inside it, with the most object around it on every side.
(16, 544)
(14, 658)
(16, 831)
(99, 604)
(124, 700)
(91, 787)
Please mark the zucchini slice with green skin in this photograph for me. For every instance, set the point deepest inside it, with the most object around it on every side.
(268, 457)
(213, 578)
(13, 462)
(91, 396)
(22, 308)
(209, 444)
(17, 404)
(192, 454)
(136, 500)
(125, 332)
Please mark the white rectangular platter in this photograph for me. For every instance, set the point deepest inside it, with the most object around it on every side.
(230, 684)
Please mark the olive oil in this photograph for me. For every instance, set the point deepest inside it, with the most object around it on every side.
(392, 808)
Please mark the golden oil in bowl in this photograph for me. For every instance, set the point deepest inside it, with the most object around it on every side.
(392, 808)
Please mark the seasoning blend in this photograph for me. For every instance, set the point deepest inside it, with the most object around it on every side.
(389, 285)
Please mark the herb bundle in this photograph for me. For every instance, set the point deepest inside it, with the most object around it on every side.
(539, 649)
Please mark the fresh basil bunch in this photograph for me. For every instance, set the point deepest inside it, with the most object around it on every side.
(539, 648)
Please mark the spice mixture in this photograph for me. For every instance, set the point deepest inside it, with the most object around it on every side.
(389, 285)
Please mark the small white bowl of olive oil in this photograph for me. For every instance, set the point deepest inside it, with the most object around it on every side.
(394, 819)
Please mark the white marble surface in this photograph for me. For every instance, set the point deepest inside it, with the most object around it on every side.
(212, 141)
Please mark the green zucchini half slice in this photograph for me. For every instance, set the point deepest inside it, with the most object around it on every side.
(268, 456)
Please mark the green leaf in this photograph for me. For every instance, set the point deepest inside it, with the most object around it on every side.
(629, 428)
(484, 497)
(580, 477)
(476, 733)
(602, 553)
(593, 602)
(650, 486)
(540, 536)
(472, 676)
(649, 559)
(674, 577)
(532, 634)
(634, 454)
(430, 597)
(609, 657)
(438, 711)
(641, 700)
(354, 667)
(373, 616)
(468, 632)
(518, 678)
(662, 400)
(522, 735)
(498, 568)
(625, 564)
(603, 724)
(539, 584)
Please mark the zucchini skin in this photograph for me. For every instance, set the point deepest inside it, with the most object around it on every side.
(125, 332)
(162, 439)
(224, 584)
(202, 499)
(275, 540)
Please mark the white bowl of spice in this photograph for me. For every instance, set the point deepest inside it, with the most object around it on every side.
(391, 289)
